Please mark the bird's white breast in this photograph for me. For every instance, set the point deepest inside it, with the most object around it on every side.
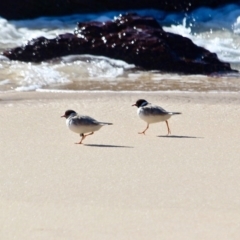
(152, 118)
(81, 128)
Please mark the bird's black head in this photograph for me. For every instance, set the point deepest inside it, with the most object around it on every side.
(68, 113)
(140, 103)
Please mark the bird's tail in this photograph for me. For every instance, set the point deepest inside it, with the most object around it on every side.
(105, 123)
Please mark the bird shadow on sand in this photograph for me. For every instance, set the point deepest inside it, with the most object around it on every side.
(107, 146)
(177, 136)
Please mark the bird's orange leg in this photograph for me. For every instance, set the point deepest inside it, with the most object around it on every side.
(169, 131)
(89, 134)
(83, 137)
(143, 132)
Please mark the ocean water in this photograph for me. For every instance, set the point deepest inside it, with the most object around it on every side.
(217, 30)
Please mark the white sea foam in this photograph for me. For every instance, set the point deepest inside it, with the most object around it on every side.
(67, 70)
(222, 42)
(92, 67)
(9, 35)
(90, 58)
(33, 76)
(4, 81)
(236, 25)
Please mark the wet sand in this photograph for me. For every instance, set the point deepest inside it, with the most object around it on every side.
(119, 184)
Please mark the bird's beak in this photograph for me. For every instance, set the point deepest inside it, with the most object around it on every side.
(134, 104)
(63, 116)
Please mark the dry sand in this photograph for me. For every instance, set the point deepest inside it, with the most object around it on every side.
(120, 185)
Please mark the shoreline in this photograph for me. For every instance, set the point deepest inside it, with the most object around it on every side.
(48, 94)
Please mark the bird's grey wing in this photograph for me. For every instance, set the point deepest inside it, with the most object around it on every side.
(84, 120)
(154, 110)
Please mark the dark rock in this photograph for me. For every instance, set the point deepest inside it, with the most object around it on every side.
(23, 9)
(134, 39)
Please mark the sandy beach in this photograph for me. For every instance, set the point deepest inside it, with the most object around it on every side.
(120, 185)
